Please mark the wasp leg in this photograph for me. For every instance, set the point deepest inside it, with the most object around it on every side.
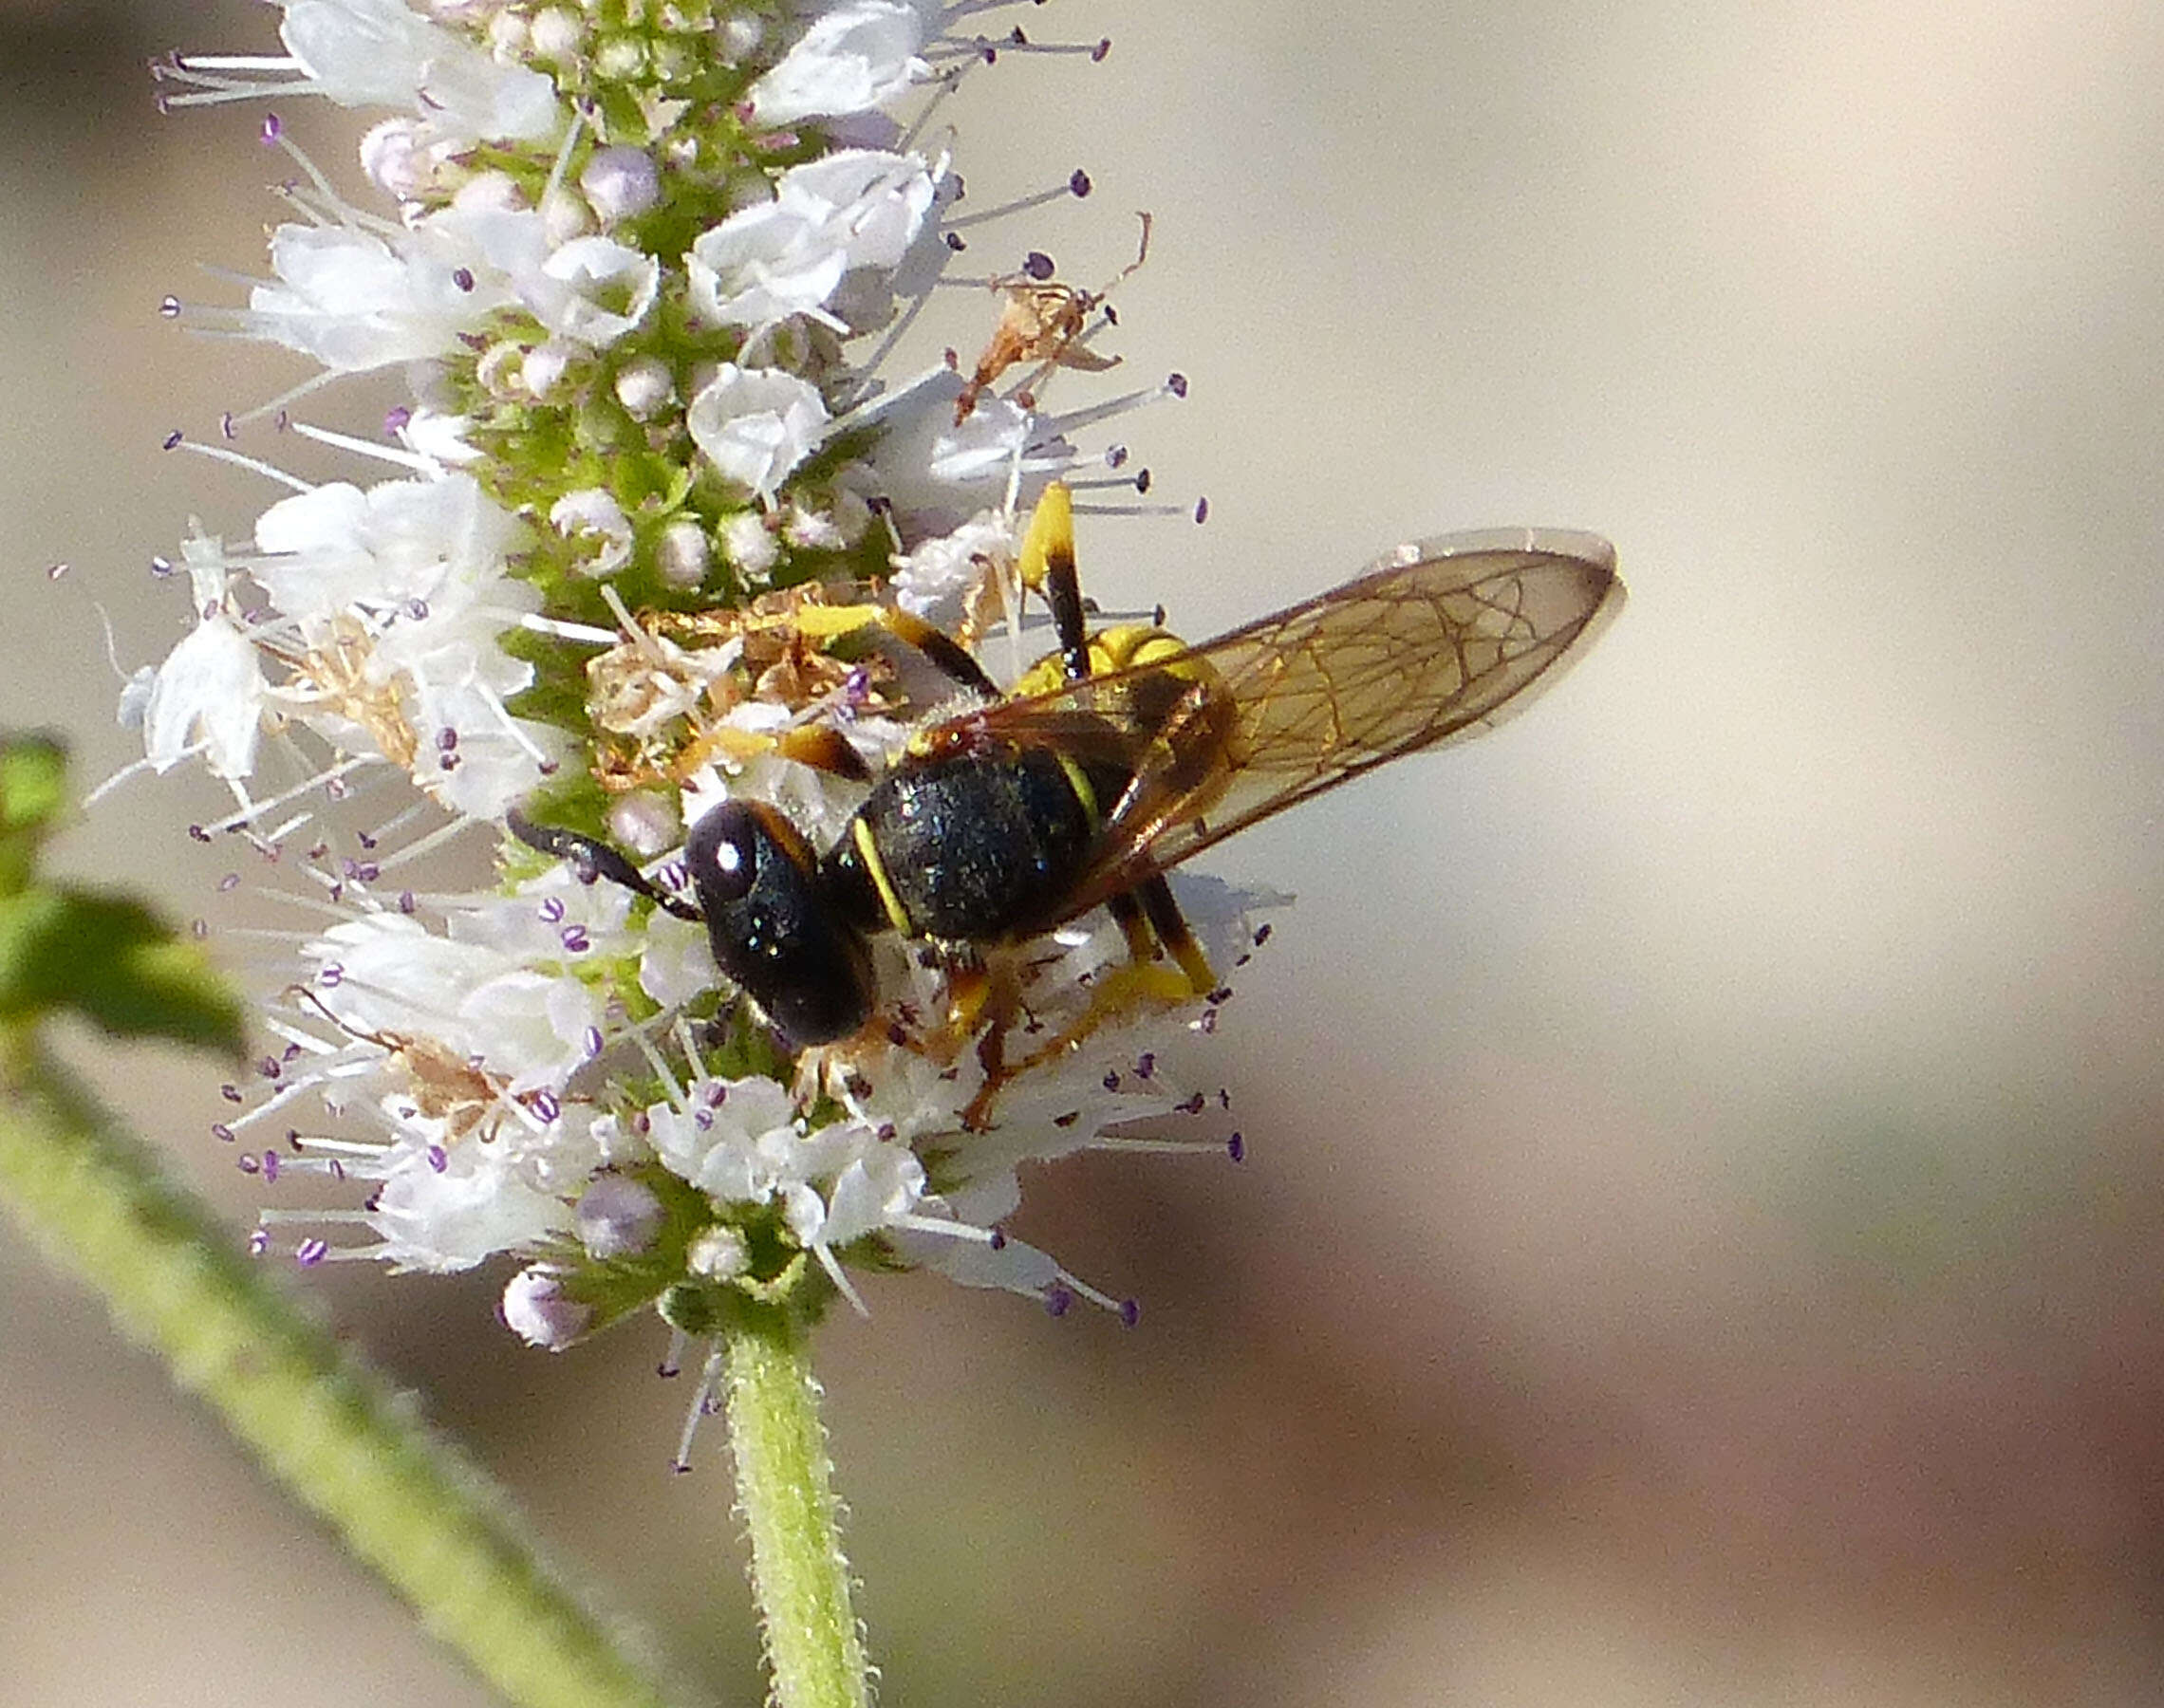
(823, 748)
(985, 995)
(1154, 928)
(938, 647)
(1170, 925)
(1046, 564)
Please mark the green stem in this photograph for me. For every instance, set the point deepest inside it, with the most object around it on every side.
(785, 1487)
(339, 1439)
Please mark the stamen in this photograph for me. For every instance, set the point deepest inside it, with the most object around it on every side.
(240, 461)
(397, 455)
(256, 809)
(1077, 185)
(709, 1385)
(835, 1274)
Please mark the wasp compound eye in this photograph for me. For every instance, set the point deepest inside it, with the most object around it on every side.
(773, 928)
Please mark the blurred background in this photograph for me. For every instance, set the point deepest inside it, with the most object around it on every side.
(1702, 1235)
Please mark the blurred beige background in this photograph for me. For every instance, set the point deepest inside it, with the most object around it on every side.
(1703, 1240)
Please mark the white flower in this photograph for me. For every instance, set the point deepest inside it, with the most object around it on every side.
(381, 54)
(757, 424)
(210, 689)
(338, 549)
(858, 56)
(610, 290)
(536, 1309)
(356, 301)
(855, 208)
(447, 1208)
(594, 513)
(933, 580)
(395, 978)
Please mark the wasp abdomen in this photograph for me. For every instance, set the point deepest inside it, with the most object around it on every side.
(978, 847)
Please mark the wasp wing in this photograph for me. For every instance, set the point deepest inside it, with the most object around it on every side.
(1442, 639)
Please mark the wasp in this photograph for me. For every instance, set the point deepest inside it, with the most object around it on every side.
(1120, 755)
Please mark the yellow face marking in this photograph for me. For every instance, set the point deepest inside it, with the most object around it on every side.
(875, 869)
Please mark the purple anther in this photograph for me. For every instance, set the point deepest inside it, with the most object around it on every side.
(407, 904)
(1078, 182)
(547, 1107)
(231, 1094)
(229, 883)
(249, 1163)
(271, 1168)
(221, 1132)
(170, 441)
(267, 1067)
(1143, 479)
(330, 975)
(715, 1093)
(311, 1252)
(593, 1042)
(553, 910)
(1176, 384)
(1038, 265)
(1115, 457)
(575, 940)
(196, 833)
(1201, 509)
(169, 307)
(259, 1242)
(446, 740)
(702, 1120)
(1145, 1064)
(462, 277)
(396, 420)
(273, 128)
(226, 429)
(952, 239)
(447, 762)
(417, 609)
(1236, 1147)
(337, 1170)
(1097, 53)
(1131, 1313)
(161, 567)
(999, 1240)
(1057, 1300)
(1112, 1079)
(439, 1158)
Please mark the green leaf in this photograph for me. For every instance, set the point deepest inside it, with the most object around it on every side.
(108, 958)
(116, 963)
(33, 789)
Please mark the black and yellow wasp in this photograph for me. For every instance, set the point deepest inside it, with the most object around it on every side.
(1117, 758)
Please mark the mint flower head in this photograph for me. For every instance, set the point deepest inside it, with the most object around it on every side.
(633, 551)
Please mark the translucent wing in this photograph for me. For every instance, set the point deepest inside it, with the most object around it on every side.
(1442, 639)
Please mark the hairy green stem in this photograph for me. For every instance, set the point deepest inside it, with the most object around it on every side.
(785, 1488)
(339, 1439)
